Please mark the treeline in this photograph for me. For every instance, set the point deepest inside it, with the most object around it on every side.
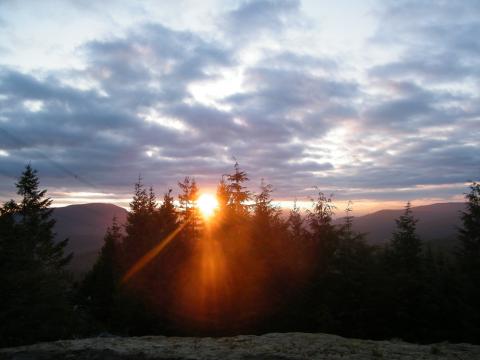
(247, 269)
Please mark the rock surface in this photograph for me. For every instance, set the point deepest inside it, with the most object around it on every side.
(270, 347)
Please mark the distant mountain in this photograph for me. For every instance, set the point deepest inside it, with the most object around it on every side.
(85, 226)
(436, 223)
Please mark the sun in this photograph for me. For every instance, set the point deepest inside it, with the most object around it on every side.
(207, 204)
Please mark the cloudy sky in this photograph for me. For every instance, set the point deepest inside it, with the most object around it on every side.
(374, 101)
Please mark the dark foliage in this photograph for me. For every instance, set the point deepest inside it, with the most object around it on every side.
(34, 286)
(247, 269)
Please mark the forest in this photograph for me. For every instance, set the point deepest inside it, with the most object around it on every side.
(246, 269)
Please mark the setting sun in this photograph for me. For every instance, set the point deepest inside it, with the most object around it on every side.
(207, 204)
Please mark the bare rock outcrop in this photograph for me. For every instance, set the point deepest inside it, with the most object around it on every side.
(283, 346)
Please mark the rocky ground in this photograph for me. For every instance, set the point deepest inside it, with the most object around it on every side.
(270, 347)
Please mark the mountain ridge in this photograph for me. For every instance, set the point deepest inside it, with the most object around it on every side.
(436, 222)
(85, 226)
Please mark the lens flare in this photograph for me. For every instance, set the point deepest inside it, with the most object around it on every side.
(207, 204)
(149, 256)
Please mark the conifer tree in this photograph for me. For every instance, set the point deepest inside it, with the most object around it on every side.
(266, 221)
(99, 288)
(404, 264)
(468, 258)
(469, 254)
(239, 194)
(348, 224)
(322, 231)
(295, 224)
(36, 223)
(264, 213)
(140, 224)
(223, 197)
(34, 284)
(188, 207)
(406, 247)
(349, 280)
(142, 234)
(167, 214)
(10, 247)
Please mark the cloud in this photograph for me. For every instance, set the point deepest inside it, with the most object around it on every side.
(409, 106)
(438, 39)
(254, 18)
(290, 115)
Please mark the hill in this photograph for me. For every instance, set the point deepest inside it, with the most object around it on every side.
(437, 223)
(85, 226)
(283, 346)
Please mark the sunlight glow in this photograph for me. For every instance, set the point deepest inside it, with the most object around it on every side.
(207, 204)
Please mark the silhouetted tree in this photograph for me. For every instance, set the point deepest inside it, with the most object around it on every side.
(347, 229)
(296, 224)
(167, 215)
(188, 207)
(223, 198)
(99, 289)
(404, 285)
(133, 316)
(34, 285)
(323, 232)
(469, 235)
(324, 238)
(406, 247)
(265, 214)
(468, 258)
(346, 293)
(140, 227)
(251, 269)
(239, 194)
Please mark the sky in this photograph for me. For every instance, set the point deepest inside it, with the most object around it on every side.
(372, 101)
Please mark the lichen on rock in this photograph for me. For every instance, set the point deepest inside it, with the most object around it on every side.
(284, 346)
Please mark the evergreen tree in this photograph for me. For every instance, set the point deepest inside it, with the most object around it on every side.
(268, 229)
(322, 231)
(469, 234)
(324, 238)
(99, 288)
(34, 284)
(406, 247)
(10, 247)
(36, 224)
(348, 224)
(468, 258)
(404, 285)
(349, 280)
(295, 224)
(188, 207)
(167, 215)
(140, 227)
(239, 195)
(264, 212)
(223, 198)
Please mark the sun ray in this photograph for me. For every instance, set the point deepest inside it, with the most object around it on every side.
(145, 259)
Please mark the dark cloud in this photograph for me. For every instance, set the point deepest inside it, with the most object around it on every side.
(253, 18)
(408, 107)
(154, 62)
(284, 103)
(439, 39)
(298, 121)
